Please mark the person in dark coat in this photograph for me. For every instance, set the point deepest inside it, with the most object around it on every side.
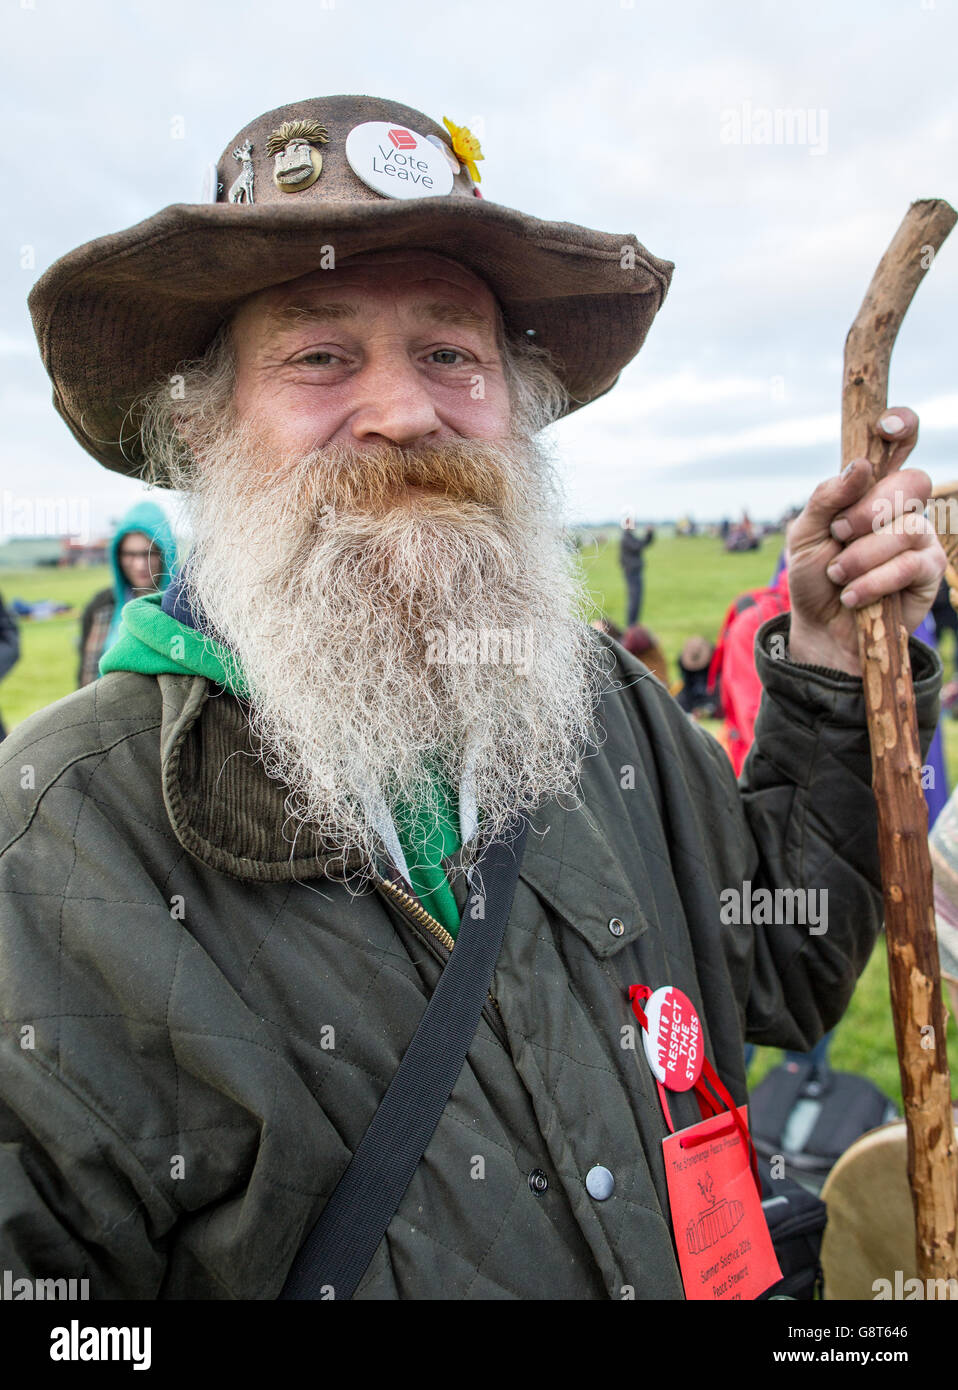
(694, 696)
(632, 550)
(9, 649)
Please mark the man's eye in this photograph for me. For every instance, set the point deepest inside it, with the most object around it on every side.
(319, 359)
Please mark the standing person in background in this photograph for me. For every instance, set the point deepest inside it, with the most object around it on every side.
(143, 557)
(9, 649)
(632, 559)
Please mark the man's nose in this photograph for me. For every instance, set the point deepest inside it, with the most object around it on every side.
(394, 403)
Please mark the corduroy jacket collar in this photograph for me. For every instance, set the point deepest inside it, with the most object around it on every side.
(222, 806)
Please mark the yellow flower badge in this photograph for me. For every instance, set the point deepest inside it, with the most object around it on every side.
(466, 147)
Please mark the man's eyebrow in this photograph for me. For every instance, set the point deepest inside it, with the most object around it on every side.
(447, 311)
(286, 316)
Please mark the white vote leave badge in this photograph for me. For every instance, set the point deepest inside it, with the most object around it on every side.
(397, 162)
(673, 1039)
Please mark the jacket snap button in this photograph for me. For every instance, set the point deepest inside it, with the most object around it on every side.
(616, 926)
(538, 1181)
(599, 1183)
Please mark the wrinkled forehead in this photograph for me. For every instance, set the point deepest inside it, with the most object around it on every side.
(379, 276)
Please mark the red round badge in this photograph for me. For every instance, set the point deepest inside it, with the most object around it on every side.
(673, 1039)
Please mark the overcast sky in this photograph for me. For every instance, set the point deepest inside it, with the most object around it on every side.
(616, 115)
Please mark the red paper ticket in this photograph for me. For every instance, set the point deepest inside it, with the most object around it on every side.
(724, 1248)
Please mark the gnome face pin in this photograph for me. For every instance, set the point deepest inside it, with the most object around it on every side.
(297, 164)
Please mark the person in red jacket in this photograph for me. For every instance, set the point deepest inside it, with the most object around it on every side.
(733, 671)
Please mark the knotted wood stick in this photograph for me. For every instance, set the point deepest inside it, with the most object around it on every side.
(896, 767)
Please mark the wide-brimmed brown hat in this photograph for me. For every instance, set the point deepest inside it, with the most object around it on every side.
(119, 314)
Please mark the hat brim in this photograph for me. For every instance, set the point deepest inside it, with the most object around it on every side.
(116, 316)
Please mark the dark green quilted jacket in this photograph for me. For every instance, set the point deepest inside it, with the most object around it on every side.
(198, 1021)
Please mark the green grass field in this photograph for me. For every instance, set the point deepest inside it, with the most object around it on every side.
(689, 585)
(49, 652)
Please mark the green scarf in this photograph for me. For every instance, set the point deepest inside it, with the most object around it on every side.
(152, 643)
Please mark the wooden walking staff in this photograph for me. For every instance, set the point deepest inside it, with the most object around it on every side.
(896, 767)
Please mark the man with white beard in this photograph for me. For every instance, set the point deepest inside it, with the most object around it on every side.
(355, 581)
(236, 873)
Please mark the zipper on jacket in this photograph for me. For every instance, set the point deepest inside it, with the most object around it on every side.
(421, 917)
(419, 914)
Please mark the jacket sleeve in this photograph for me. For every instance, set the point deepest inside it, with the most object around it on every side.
(9, 641)
(75, 1200)
(806, 795)
(71, 1197)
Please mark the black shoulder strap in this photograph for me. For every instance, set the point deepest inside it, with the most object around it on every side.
(337, 1252)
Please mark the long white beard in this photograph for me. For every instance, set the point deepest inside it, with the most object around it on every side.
(387, 637)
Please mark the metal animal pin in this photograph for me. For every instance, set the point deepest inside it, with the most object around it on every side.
(242, 189)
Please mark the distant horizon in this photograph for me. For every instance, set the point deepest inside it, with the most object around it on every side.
(700, 522)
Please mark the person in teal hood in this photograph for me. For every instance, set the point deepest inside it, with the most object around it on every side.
(143, 559)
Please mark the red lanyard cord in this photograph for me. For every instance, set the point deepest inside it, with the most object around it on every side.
(708, 1106)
